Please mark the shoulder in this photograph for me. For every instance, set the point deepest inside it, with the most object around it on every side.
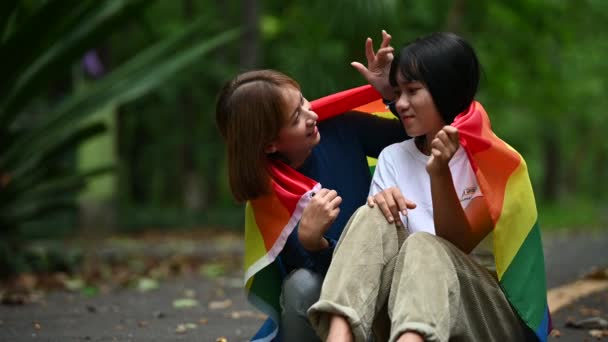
(396, 151)
(397, 148)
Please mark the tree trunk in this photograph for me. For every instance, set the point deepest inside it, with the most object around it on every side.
(455, 16)
(551, 160)
(250, 49)
(192, 191)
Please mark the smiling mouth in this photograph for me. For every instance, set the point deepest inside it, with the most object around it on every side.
(314, 132)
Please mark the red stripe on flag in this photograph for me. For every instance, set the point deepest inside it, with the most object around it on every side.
(338, 103)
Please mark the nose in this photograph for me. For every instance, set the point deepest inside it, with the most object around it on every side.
(312, 117)
(403, 103)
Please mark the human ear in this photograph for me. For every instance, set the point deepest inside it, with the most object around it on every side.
(270, 148)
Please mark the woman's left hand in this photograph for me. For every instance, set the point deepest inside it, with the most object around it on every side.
(443, 147)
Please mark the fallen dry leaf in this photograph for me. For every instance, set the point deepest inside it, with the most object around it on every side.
(185, 303)
(598, 334)
(567, 294)
(598, 273)
(556, 333)
(220, 304)
(183, 328)
(586, 311)
(37, 325)
(203, 321)
(221, 339)
(246, 314)
(588, 323)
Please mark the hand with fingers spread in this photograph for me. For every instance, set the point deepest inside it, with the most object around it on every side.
(378, 65)
(391, 203)
(443, 147)
(317, 217)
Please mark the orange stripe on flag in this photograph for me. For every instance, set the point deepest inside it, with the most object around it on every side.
(372, 107)
(271, 217)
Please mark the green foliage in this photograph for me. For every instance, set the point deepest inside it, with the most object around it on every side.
(543, 86)
(38, 135)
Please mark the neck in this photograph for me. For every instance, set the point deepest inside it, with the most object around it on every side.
(423, 144)
(293, 162)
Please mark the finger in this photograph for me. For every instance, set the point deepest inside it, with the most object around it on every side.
(360, 68)
(392, 204)
(449, 140)
(443, 137)
(383, 207)
(335, 213)
(369, 50)
(386, 39)
(438, 145)
(370, 201)
(385, 53)
(436, 153)
(335, 203)
(452, 133)
(410, 204)
(321, 193)
(332, 194)
(401, 202)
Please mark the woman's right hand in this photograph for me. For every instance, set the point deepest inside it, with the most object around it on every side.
(378, 66)
(391, 203)
(317, 217)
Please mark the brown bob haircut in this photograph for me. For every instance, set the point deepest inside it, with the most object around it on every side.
(250, 111)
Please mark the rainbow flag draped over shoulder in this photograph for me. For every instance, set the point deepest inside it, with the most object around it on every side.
(270, 219)
(502, 175)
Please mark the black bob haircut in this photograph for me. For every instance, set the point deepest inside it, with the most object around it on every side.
(448, 67)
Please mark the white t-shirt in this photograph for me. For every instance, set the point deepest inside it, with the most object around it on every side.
(403, 165)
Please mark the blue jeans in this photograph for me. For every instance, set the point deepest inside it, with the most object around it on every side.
(301, 289)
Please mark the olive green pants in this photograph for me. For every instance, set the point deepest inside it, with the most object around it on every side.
(422, 282)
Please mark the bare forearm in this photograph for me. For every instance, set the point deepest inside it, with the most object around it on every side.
(451, 222)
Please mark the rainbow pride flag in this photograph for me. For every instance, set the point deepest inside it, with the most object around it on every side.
(502, 175)
(270, 219)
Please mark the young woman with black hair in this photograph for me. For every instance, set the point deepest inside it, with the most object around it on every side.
(424, 276)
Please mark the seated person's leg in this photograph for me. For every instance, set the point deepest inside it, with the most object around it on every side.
(442, 294)
(301, 289)
(357, 283)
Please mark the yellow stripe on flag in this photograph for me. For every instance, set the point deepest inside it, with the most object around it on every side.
(516, 220)
(253, 239)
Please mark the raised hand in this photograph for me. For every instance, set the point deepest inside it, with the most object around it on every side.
(317, 217)
(391, 202)
(443, 147)
(378, 65)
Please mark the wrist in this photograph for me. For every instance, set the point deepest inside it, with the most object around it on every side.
(312, 242)
(439, 171)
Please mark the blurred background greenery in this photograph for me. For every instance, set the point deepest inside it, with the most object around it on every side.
(107, 107)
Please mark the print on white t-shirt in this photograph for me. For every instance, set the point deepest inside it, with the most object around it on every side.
(402, 165)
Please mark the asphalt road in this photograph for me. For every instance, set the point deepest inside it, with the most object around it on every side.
(220, 310)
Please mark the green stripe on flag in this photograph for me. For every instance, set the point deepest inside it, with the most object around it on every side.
(524, 281)
(266, 286)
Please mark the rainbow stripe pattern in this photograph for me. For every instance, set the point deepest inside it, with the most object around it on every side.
(501, 173)
(270, 219)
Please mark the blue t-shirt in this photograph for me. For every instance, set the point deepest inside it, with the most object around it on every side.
(339, 163)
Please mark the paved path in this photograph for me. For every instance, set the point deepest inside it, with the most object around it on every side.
(129, 315)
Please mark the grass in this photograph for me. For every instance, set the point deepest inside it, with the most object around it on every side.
(573, 215)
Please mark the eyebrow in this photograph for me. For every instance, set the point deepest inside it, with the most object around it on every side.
(299, 106)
